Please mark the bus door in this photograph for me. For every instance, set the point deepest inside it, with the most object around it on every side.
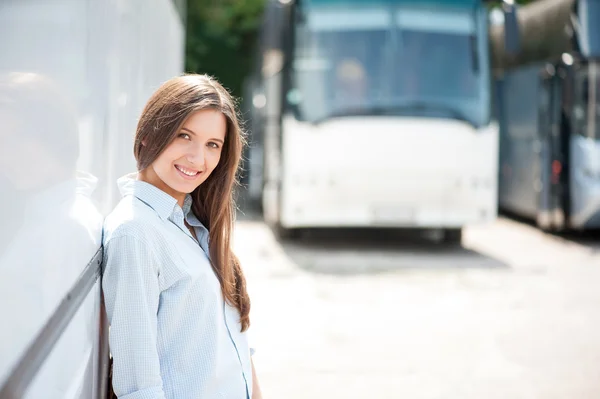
(542, 146)
(561, 161)
(556, 165)
(552, 172)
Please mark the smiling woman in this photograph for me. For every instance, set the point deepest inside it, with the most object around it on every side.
(191, 157)
(175, 293)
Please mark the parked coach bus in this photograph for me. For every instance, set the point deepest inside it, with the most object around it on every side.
(369, 113)
(74, 76)
(549, 103)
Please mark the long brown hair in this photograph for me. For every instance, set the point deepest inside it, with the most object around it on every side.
(213, 203)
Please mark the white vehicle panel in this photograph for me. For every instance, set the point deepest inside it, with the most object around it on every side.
(74, 77)
(397, 171)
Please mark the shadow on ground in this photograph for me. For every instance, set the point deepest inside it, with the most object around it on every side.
(371, 251)
(343, 251)
(588, 238)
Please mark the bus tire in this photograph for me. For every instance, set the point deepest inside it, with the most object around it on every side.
(453, 236)
(283, 233)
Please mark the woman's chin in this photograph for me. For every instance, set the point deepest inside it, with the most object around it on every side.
(184, 187)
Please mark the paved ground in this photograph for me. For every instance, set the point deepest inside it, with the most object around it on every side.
(512, 313)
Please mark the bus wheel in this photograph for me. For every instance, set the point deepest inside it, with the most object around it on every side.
(453, 236)
(544, 220)
(283, 233)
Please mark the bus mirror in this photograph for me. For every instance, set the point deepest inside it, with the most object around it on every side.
(511, 27)
(277, 18)
(272, 63)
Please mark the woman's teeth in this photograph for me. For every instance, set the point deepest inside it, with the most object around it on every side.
(186, 171)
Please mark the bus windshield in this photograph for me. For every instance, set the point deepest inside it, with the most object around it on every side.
(420, 62)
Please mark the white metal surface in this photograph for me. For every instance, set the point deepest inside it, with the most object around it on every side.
(103, 60)
(387, 171)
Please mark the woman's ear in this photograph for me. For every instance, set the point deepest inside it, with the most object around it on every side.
(144, 142)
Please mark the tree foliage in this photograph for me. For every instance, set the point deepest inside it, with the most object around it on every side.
(221, 37)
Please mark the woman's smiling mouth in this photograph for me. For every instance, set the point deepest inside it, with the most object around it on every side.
(187, 173)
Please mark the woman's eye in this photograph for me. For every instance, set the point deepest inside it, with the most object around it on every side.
(184, 136)
(213, 145)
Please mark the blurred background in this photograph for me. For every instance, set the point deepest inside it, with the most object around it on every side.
(419, 202)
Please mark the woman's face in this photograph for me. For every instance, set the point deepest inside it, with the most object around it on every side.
(189, 159)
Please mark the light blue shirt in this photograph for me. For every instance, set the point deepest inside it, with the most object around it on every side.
(172, 334)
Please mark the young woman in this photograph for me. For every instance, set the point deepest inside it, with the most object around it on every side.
(175, 293)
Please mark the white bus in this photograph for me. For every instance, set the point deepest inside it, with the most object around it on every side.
(374, 113)
(74, 77)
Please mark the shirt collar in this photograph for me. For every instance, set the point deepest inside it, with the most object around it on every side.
(191, 218)
(187, 205)
(154, 197)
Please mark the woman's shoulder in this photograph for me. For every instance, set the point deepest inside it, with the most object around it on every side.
(131, 218)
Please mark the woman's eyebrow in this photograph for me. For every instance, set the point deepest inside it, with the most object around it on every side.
(188, 130)
(194, 134)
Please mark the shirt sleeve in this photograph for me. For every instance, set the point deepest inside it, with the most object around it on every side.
(131, 294)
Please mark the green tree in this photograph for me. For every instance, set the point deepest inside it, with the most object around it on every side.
(221, 37)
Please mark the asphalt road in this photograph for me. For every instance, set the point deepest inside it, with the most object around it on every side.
(510, 313)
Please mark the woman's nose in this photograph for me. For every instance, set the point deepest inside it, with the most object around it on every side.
(196, 156)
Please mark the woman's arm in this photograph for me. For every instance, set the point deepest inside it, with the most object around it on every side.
(131, 293)
(256, 392)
